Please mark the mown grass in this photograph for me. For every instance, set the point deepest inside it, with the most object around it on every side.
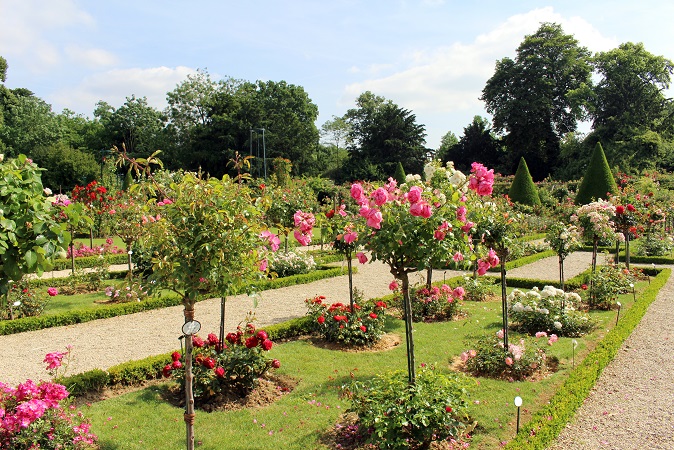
(143, 420)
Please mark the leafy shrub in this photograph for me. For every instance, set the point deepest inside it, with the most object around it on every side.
(127, 291)
(338, 323)
(608, 283)
(489, 358)
(394, 415)
(235, 365)
(477, 289)
(438, 303)
(551, 310)
(653, 245)
(22, 301)
(291, 263)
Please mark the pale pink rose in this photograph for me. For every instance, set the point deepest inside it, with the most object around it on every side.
(500, 334)
(458, 256)
(263, 265)
(541, 334)
(458, 293)
(509, 361)
(356, 191)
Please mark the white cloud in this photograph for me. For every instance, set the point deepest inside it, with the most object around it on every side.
(90, 57)
(27, 28)
(114, 86)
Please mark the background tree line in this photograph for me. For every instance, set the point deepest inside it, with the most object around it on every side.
(536, 101)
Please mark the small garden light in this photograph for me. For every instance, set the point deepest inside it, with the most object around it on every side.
(634, 292)
(618, 315)
(518, 403)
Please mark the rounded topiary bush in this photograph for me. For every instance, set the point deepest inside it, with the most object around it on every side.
(523, 190)
(598, 179)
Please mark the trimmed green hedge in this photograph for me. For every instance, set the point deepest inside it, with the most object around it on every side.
(545, 425)
(66, 281)
(84, 262)
(120, 309)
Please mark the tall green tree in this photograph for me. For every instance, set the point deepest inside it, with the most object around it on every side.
(533, 99)
(381, 135)
(629, 110)
(136, 125)
(478, 143)
(447, 141)
(29, 122)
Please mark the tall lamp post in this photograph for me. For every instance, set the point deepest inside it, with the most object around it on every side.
(264, 149)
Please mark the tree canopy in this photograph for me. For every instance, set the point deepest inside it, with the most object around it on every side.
(382, 134)
(532, 97)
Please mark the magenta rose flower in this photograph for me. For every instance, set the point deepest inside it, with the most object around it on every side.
(53, 292)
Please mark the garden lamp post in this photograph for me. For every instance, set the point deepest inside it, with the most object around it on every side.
(518, 403)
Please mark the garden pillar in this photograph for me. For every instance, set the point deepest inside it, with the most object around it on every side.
(189, 394)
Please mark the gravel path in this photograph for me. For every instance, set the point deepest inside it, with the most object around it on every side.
(629, 408)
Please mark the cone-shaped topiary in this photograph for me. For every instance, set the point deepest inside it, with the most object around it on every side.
(598, 179)
(399, 173)
(523, 190)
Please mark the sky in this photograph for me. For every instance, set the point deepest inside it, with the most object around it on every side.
(432, 57)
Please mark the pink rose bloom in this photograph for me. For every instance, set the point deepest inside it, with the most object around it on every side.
(273, 239)
(461, 213)
(52, 291)
(356, 191)
(302, 238)
(391, 185)
(263, 265)
(54, 359)
(464, 356)
(380, 196)
(492, 258)
(350, 237)
(341, 211)
(393, 285)
(414, 195)
(415, 209)
(439, 235)
(499, 334)
(426, 210)
(541, 334)
(553, 339)
(458, 256)
(482, 266)
(509, 361)
(484, 188)
(458, 293)
(361, 257)
(374, 218)
(472, 353)
(467, 227)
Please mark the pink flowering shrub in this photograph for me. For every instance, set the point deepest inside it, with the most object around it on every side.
(22, 301)
(362, 325)
(80, 250)
(488, 357)
(231, 366)
(38, 415)
(436, 303)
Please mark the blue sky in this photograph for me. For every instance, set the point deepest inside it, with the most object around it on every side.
(430, 56)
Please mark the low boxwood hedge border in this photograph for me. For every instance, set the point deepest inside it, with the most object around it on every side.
(81, 316)
(546, 424)
(84, 262)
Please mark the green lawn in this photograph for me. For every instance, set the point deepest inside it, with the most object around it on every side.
(143, 420)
